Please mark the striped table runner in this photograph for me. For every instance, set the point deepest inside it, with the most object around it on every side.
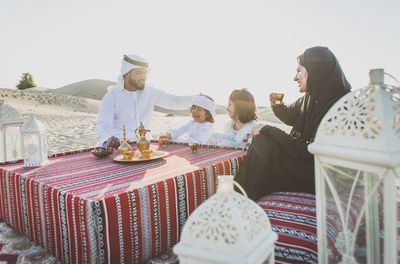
(89, 210)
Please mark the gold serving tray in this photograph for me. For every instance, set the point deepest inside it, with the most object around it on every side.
(138, 157)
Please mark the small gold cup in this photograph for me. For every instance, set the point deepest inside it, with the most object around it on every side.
(163, 141)
(128, 155)
(146, 154)
(278, 98)
(194, 147)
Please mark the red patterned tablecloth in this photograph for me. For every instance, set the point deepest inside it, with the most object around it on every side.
(89, 210)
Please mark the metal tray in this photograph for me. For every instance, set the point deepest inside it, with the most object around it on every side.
(138, 157)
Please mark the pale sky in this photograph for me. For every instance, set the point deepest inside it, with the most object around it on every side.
(209, 46)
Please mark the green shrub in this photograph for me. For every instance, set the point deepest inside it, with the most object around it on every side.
(26, 81)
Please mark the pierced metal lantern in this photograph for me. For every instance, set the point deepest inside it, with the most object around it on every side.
(227, 228)
(357, 170)
(10, 133)
(34, 143)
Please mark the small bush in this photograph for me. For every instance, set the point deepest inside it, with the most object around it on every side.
(26, 82)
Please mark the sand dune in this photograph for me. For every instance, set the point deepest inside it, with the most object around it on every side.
(43, 101)
(90, 89)
(39, 88)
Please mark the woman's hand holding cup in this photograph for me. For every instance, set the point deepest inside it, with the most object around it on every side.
(276, 98)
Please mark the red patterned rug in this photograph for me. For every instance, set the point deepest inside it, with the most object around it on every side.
(17, 248)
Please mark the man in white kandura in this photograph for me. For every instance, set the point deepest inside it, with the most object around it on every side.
(130, 102)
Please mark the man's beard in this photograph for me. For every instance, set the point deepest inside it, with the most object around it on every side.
(136, 84)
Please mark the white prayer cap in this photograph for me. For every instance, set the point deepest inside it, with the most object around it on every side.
(130, 62)
(205, 103)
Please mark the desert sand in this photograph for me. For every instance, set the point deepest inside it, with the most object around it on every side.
(69, 113)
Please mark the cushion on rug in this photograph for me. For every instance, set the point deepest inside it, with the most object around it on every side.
(293, 218)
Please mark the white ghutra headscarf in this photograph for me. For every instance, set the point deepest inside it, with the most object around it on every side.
(128, 63)
(205, 103)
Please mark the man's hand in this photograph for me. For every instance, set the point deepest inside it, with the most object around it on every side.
(113, 142)
(255, 131)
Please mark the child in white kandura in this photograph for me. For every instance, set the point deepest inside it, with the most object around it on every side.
(201, 127)
(242, 111)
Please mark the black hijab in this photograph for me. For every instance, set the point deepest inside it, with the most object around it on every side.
(326, 83)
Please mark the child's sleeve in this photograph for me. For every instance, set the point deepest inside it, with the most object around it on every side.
(202, 134)
(176, 133)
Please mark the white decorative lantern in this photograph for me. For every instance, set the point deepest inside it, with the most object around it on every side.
(357, 170)
(34, 143)
(227, 228)
(10, 133)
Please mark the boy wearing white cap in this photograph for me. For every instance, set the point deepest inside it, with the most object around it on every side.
(201, 127)
(130, 102)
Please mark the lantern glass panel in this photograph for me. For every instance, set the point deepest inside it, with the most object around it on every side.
(13, 142)
(353, 205)
(32, 148)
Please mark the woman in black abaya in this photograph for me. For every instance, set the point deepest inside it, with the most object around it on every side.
(277, 161)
